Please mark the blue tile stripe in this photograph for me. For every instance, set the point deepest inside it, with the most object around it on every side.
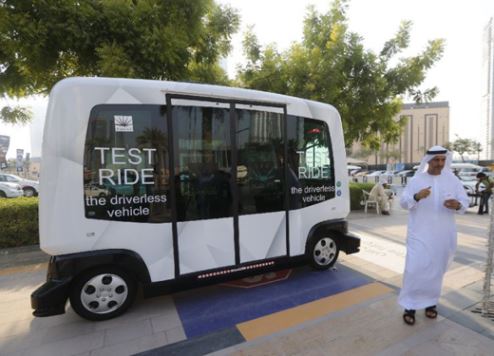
(206, 310)
(209, 315)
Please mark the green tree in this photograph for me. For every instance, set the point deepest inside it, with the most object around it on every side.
(477, 148)
(331, 65)
(362, 153)
(463, 146)
(15, 115)
(44, 41)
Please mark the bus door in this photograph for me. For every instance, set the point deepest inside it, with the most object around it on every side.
(228, 174)
(262, 199)
(201, 168)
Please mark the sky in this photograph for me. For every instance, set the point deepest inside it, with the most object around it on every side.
(457, 74)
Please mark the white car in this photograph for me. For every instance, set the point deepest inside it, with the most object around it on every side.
(10, 190)
(375, 174)
(30, 187)
(406, 173)
(469, 184)
(93, 190)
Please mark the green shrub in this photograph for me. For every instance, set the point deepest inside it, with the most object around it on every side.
(356, 194)
(18, 222)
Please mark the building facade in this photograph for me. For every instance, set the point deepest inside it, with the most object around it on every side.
(426, 125)
(487, 111)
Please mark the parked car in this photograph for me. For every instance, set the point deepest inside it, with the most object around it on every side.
(94, 190)
(388, 173)
(375, 174)
(30, 187)
(353, 172)
(352, 169)
(468, 169)
(10, 190)
(469, 183)
(406, 173)
(361, 174)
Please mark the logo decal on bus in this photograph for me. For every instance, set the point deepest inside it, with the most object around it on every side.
(123, 123)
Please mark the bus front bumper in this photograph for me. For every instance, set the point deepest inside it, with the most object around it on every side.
(350, 243)
(50, 298)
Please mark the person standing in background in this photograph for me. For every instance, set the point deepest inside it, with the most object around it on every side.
(484, 194)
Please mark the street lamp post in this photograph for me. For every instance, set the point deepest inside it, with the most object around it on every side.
(487, 304)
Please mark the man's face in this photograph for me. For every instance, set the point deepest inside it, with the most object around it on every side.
(436, 165)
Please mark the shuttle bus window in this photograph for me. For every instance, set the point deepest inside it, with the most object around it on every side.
(202, 152)
(260, 157)
(125, 173)
(311, 171)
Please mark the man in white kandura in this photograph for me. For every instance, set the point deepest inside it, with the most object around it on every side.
(433, 196)
(382, 195)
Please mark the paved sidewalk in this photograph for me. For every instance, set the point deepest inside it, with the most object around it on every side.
(375, 327)
(18, 257)
(370, 326)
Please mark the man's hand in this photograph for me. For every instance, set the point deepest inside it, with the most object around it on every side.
(452, 204)
(423, 193)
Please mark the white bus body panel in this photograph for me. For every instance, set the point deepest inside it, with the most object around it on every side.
(64, 228)
(205, 244)
(302, 220)
(262, 236)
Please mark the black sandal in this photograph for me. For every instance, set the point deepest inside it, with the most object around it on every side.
(431, 312)
(409, 316)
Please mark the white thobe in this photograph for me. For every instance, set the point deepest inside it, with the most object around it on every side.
(378, 194)
(431, 238)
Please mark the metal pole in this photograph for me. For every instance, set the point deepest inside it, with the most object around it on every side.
(487, 305)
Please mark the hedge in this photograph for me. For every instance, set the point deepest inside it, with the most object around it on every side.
(356, 194)
(18, 222)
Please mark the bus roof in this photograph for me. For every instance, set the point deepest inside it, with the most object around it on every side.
(142, 91)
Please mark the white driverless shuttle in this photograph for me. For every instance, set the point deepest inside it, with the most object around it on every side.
(171, 185)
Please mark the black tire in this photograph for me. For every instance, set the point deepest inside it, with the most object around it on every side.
(322, 251)
(102, 293)
(29, 192)
(2, 194)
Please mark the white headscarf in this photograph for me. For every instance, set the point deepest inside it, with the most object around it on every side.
(383, 179)
(433, 152)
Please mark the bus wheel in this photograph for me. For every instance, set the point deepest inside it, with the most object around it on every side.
(323, 252)
(102, 293)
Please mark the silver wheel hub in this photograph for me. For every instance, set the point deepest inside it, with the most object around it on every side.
(104, 293)
(324, 251)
